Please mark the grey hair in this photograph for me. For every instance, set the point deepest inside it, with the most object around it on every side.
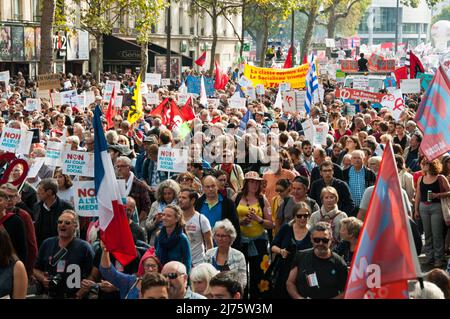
(112, 137)
(169, 183)
(227, 226)
(74, 215)
(124, 159)
(203, 272)
(429, 291)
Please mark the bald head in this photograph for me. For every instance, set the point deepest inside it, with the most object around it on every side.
(210, 187)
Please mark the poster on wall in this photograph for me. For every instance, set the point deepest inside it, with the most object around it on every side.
(83, 45)
(29, 44)
(37, 32)
(5, 43)
(72, 45)
(17, 47)
(175, 66)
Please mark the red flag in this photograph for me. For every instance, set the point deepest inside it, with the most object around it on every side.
(414, 65)
(111, 112)
(201, 60)
(215, 120)
(176, 117)
(221, 79)
(288, 62)
(401, 74)
(187, 112)
(305, 59)
(433, 117)
(385, 256)
(162, 110)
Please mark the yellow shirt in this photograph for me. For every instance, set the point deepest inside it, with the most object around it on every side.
(254, 229)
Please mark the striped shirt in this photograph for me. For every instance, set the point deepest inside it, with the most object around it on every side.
(357, 184)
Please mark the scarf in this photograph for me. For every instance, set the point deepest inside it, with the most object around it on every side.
(329, 217)
(168, 242)
(129, 184)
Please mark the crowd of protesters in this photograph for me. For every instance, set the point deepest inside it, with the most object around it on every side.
(260, 212)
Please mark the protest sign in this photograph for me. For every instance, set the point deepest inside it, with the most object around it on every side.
(289, 101)
(16, 141)
(251, 93)
(107, 90)
(172, 159)
(271, 78)
(43, 94)
(214, 103)
(183, 98)
(300, 97)
(53, 155)
(361, 83)
(78, 163)
(410, 86)
(56, 99)
(67, 84)
(351, 109)
(425, 79)
(85, 199)
(90, 97)
(318, 94)
(260, 89)
(352, 94)
(283, 87)
(309, 130)
(69, 97)
(153, 78)
(144, 88)
(244, 82)
(33, 105)
(320, 137)
(165, 82)
(4, 77)
(81, 101)
(193, 85)
(237, 102)
(394, 102)
(152, 98)
(35, 167)
(49, 81)
(330, 43)
(119, 101)
(349, 66)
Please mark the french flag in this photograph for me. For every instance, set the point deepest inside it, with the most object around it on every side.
(114, 227)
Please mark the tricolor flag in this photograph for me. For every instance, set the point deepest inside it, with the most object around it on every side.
(111, 112)
(201, 60)
(115, 229)
(385, 257)
(311, 84)
(433, 117)
(135, 111)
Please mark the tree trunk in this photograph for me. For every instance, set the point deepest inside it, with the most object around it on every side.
(99, 39)
(309, 31)
(214, 42)
(331, 25)
(264, 44)
(47, 19)
(144, 60)
(241, 50)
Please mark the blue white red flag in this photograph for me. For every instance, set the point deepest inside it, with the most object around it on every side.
(115, 229)
(311, 84)
(433, 117)
(385, 256)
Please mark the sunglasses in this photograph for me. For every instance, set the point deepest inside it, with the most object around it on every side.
(305, 216)
(172, 275)
(323, 240)
(66, 222)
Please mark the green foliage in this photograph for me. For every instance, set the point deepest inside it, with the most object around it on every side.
(348, 26)
(415, 3)
(444, 15)
(146, 13)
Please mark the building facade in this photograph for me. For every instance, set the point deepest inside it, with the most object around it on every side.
(379, 23)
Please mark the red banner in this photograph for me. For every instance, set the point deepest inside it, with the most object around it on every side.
(352, 94)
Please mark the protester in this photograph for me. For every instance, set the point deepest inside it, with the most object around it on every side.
(201, 276)
(177, 276)
(225, 285)
(154, 286)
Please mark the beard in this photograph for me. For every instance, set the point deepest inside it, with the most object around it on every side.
(321, 250)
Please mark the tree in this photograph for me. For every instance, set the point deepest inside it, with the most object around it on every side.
(215, 9)
(311, 10)
(348, 26)
(146, 13)
(98, 18)
(444, 15)
(47, 19)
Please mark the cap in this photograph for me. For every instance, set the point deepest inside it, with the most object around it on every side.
(252, 175)
(150, 139)
(122, 149)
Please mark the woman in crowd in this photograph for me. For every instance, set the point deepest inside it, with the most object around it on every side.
(223, 257)
(349, 233)
(187, 180)
(200, 277)
(166, 194)
(224, 189)
(254, 216)
(172, 244)
(65, 186)
(13, 276)
(351, 143)
(292, 237)
(432, 187)
(283, 189)
(342, 129)
(329, 212)
(234, 172)
(129, 285)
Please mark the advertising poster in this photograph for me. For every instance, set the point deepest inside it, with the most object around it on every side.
(5, 43)
(37, 33)
(175, 66)
(17, 44)
(29, 43)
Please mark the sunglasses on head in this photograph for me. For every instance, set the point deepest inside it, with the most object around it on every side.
(172, 275)
(305, 216)
(323, 240)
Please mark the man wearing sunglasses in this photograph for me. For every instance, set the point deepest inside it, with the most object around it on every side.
(176, 274)
(318, 273)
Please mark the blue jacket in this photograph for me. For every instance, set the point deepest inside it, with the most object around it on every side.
(180, 252)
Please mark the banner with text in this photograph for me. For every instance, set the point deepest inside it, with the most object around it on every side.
(78, 163)
(172, 160)
(271, 78)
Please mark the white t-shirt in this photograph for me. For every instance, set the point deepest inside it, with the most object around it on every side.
(195, 235)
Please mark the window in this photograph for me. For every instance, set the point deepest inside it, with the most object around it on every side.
(411, 28)
(16, 10)
(35, 11)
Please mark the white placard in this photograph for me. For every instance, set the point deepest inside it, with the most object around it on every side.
(4, 77)
(215, 103)
(56, 99)
(330, 43)
(309, 130)
(165, 82)
(69, 97)
(237, 102)
(53, 155)
(152, 98)
(361, 83)
(260, 89)
(351, 109)
(300, 97)
(35, 167)
(153, 78)
(107, 90)
(33, 105)
(43, 94)
(82, 101)
(144, 88)
(16, 141)
(284, 87)
(289, 101)
(119, 101)
(410, 86)
(318, 94)
(394, 102)
(320, 137)
(183, 98)
(90, 97)
(251, 93)
(78, 163)
(172, 159)
(244, 82)
(67, 84)
(85, 199)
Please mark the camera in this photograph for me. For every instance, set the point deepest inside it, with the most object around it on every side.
(56, 287)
